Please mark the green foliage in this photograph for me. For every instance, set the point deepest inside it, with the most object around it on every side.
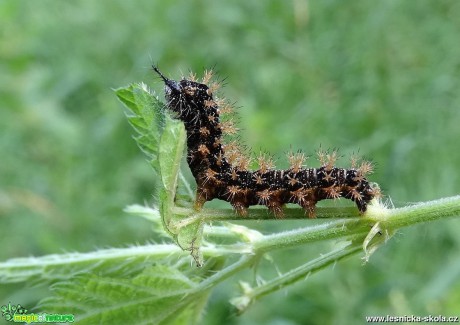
(146, 117)
(160, 294)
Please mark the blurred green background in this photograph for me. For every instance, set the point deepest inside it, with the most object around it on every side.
(378, 77)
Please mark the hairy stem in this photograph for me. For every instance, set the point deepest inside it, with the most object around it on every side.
(292, 238)
(421, 212)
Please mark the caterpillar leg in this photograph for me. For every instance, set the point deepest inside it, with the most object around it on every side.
(310, 209)
(277, 209)
(362, 206)
(202, 195)
(240, 209)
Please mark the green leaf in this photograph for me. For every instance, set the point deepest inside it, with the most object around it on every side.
(146, 114)
(172, 144)
(113, 262)
(190, 238)
(162, 139)
(159, 295)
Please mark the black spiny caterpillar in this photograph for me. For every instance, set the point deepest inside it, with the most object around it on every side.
(222, 172)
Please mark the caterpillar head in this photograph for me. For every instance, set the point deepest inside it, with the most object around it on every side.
(185, 97)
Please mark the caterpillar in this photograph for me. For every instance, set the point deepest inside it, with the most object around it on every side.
(222, 172)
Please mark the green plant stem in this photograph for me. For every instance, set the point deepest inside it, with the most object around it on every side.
(422, 212)
(208, 215)
(22, 269)
(241, 264)
(299, 273)
(334, 229)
